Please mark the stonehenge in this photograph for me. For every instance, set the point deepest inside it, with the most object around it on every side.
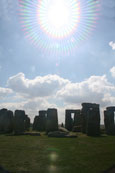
(46, 121)
(109, 120)
(91, 119)
(39, 123)
(17, 123)
(6, 121)
(85, 120)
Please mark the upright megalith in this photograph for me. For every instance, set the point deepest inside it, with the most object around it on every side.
(77, 118)
(91, 119)
(72, 124)
(39, 123)
(19, 121)
(36, 123)
(52, 120)
(6, 121)
(77, 124)
(27, 123)
(109, 120)
(42, 120)
(68, 120)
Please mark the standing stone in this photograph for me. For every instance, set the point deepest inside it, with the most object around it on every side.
(77, 125)
(19, 121)
(77, 118)
(36, 123)
(68, 120)
(42, 120)
(90, 119)
(52, 120)
(93, 122)
(8, 128)
(27, 123)
(109, 120)
(6, 121)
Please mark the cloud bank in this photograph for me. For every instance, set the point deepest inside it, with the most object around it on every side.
(47, 91)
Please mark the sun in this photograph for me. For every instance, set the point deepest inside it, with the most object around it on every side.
(58, 18)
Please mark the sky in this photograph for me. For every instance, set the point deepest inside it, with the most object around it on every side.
(33, 79)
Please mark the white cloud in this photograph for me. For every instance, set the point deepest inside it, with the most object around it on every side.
(53, 91)
(4, 92)
(112, 44)
(112, 70)
(38, 87)
(93, 89)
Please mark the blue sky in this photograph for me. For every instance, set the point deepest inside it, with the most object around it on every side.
(32, 79)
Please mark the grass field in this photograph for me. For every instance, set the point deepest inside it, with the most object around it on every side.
(62, 155)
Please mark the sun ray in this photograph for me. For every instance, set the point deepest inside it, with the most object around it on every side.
(48, 23)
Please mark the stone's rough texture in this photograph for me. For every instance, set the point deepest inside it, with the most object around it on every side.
(90, 119)
(77, 118)
(76, 121)
(93, 122)
(36, 123)
(6, 121)
(42, 120)
(27, 123)
(46, 121)
(68, 120)
(111, 108)
(109, 116)
(19, 121)
(52, 120)
(58, 134)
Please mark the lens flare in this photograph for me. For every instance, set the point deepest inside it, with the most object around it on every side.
(58, 18)
(58, 26)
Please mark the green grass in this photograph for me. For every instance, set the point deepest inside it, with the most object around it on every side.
(47, 155)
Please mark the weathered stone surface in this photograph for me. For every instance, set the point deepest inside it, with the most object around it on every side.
(58, 134)
(52, 120)
(93, 122)
(6, 121)
(36, 123)
(77, 118)
(68, 120)
(109, 115)
(42, 120)
(19, 121)
(76, 121)
(27, 123)
(90, 119)
(77, 128)
(62, 129)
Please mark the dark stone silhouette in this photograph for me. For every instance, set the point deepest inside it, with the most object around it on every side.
(52, 120)
(42, 120)
(27, 123)
(36, 123)
(76, 121)
(68, 119)
(6, 121)
(109, 115)
(90, 119)
(19, 121)
(39, 123)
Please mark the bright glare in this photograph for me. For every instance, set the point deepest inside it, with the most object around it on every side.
(58, 15)
(58, 18)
